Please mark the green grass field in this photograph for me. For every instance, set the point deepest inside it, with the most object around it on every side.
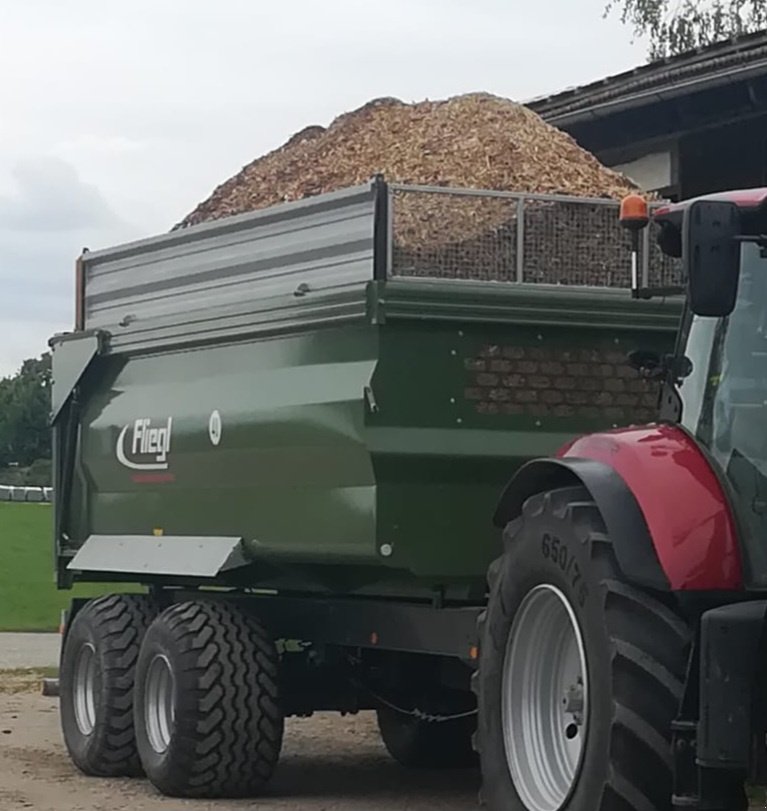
(29, 600)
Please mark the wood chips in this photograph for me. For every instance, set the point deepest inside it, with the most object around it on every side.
(473, 141)
(476, 141)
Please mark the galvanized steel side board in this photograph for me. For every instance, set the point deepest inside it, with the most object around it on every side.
(216, 280)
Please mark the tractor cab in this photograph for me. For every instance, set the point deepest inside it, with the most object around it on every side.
(716, 382)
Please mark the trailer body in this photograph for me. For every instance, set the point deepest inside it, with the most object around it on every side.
(300, 400)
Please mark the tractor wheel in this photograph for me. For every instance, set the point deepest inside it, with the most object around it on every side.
(580, 672)
(97, 671)
(419, 744)
(207, 720)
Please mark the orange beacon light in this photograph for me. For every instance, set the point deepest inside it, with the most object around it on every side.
(634, 216)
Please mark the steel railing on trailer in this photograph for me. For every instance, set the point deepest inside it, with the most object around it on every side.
(481, 235)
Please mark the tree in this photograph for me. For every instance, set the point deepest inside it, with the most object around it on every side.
(25, 401)
(676, 26)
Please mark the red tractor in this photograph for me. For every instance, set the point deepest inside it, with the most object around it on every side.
(622, 655)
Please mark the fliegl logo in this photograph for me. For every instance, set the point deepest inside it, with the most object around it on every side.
(144, 446)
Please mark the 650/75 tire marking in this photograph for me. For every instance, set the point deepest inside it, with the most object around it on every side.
(556, 551)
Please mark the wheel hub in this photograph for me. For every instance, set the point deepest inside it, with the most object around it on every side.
(159, 703)
(544, 699)
(85, 689)
(574, 702)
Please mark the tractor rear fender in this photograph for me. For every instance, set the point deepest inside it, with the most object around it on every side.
(666, 513)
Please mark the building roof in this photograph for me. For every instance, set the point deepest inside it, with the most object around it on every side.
(721, 63)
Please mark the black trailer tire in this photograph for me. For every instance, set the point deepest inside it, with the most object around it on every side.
(419, 744)
(96, 677)
(635, 649)
(215, 730)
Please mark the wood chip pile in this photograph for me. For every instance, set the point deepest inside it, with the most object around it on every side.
(475, 141)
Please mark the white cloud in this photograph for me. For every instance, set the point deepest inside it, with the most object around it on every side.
(50, 196)
(93, 144)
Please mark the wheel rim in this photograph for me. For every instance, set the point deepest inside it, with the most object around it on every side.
(85, 689)
(159, 712)
(545, 699)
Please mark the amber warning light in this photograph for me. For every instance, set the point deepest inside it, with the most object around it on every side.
(634, 212)
(634, 216)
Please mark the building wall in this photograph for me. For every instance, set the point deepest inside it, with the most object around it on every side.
(656, 170)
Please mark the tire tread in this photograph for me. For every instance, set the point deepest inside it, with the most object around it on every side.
(661, 672)
(235, 726)
(418, 744)
(119, 622)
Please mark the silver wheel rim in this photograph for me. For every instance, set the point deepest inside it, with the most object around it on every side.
(159, 712)
(545, 699)
(85, 689)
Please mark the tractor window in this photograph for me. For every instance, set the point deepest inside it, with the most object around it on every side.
(725, 396)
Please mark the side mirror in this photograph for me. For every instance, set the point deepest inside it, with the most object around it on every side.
(711, 256)
(653, 366)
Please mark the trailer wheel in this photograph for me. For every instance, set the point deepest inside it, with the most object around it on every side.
(580, 673)
(98, 664)
(207, 720)
(419, 744)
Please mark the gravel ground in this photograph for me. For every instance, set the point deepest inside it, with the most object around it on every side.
(28, 650)
(329, 763)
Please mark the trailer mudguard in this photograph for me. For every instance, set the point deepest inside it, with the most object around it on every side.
(203, 556)
(666, 513)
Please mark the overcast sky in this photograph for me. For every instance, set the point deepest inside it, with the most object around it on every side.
(116, 119)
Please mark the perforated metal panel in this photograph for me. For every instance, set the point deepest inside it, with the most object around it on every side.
(555, 382)
(506, 237)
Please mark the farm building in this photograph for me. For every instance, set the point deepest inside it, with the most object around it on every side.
(683, 126)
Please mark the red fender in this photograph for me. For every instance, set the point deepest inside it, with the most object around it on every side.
(686, 510)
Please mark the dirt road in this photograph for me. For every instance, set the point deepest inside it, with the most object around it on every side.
(329, 763)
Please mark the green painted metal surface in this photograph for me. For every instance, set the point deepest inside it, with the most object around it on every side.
(362, 457)
(471, 385)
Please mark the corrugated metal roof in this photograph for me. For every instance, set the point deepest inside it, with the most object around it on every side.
(745, 55)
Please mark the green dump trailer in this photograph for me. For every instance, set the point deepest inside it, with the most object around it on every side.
(292, 428)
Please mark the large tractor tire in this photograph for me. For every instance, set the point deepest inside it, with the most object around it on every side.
(208, 724)
(416, 743)
(580, 672)
(98, 664)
